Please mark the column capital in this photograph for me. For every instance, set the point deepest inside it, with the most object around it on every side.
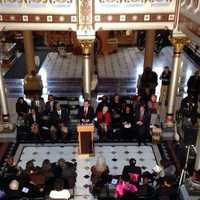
(179, 42)
(86, 46)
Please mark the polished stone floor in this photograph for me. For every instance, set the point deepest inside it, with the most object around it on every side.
(116, 155)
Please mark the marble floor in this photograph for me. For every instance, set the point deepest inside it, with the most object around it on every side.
(117, 155)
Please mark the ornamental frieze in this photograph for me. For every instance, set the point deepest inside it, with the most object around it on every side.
(36, 1)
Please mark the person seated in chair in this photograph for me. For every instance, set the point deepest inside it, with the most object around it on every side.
(103, 122)
(131, 172)
(127, 121)
(60, 119)
(189, 110)
(146, 191)
(142, 121)
(100, 175)
(22, 110)
(34, 122)
(50, 105)
(104, 102)
(194, 84)
(59, 192)
(167, 190)
(22, 107)
(39, 104)
(116, 109)
(86, 113)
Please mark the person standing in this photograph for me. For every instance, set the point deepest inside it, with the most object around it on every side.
(142, 121)
(165, 78)
(194, 84)
(86, 113)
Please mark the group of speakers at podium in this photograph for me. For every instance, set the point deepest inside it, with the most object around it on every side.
(131, 120)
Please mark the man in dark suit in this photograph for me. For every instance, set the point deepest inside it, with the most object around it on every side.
(86, 112)
(130, 170)
(142, 121)
(59, 119)
(33, 122)
(50, 104)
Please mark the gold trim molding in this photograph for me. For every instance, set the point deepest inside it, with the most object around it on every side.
(86, 45)
(179, 42)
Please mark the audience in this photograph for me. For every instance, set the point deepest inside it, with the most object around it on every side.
(35, 181)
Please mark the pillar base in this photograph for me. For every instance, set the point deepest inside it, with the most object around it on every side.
(5, 118)
(33, 84)
(7, 127)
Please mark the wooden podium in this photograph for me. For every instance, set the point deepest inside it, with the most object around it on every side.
(85, 138)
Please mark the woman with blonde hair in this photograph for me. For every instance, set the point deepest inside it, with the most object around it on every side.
(100, 174)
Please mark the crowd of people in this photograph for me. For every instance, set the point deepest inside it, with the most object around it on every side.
(131, 119)
(113, 116)
(50, 181)
(133, 184)
(42, 118)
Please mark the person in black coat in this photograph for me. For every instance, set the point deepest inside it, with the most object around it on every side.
(33, 122)
(22, 107)
(142, 122)
(86, 112)
(131, 169)
(116, 109)
(104, 102)
(194, 84)
(127, 121)
(60, 119)
(189, 109)
(165, 78)
(149, 79)
(50, 105)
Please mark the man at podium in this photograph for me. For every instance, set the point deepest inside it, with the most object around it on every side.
(86, 113)
(86, 128)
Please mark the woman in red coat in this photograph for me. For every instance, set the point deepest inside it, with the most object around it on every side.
(103, 120)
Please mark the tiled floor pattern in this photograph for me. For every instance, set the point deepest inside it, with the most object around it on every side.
(116, 157)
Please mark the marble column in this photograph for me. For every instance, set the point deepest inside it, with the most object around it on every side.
(178, 44)
(197, 161)
(6, 126)
(86, 47)
(149, 48)
(29, 51)
(3, 99)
